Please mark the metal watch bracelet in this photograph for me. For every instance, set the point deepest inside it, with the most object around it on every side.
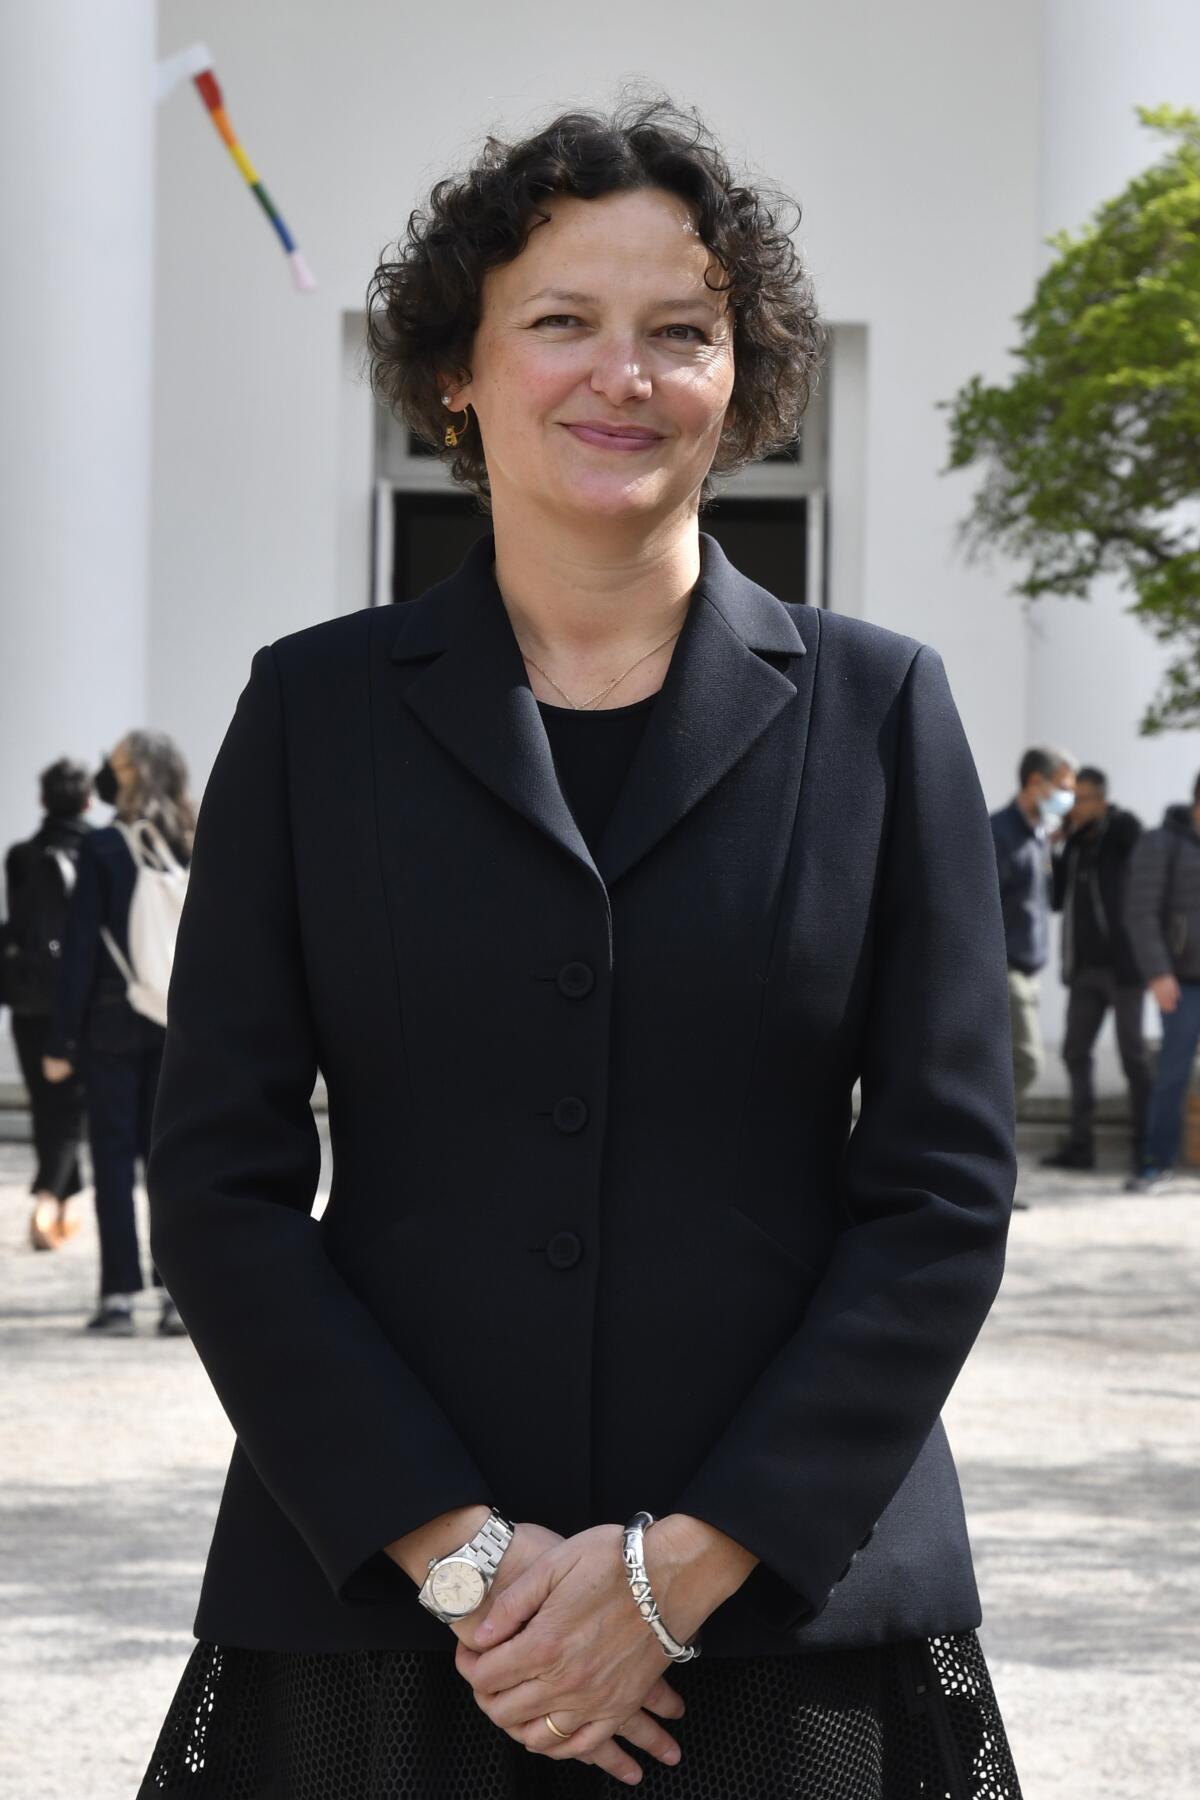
(491, 1541)
(633, 1556)
(484, 1551)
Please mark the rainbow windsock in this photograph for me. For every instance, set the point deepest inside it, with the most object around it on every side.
(196, 63)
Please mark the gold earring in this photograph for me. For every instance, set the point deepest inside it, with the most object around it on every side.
(452, 433)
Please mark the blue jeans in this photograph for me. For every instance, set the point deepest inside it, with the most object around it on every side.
(1180, 1036)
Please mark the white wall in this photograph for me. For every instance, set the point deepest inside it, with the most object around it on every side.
(932, 147)
(909, 134)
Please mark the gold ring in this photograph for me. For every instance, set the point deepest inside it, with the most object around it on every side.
(554, 1727)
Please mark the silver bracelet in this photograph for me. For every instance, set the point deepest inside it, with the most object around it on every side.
(633, 1553)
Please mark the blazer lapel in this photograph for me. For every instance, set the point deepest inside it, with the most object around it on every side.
(717, 699)
(476, 700)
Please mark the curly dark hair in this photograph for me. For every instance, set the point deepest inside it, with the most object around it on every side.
(423, 301)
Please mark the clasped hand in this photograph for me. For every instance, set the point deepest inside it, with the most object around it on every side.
(563, 1635)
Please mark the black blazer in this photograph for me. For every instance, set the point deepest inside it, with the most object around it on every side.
(596, 1240)
(90, 1008)
(1105, 847)
(29, 901)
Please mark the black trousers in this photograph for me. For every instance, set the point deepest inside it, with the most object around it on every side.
(1092, 993)
(57, 1108)
(121, 1086)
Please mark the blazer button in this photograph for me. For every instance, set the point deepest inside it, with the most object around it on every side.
(575, 979)
(564, 1250)
(569, 1113)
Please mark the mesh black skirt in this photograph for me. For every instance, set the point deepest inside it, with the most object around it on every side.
(912, 1721)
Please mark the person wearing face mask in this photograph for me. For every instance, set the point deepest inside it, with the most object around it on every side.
(39, 879)
(95, 1030)
(1024, 832)
(1098, 963)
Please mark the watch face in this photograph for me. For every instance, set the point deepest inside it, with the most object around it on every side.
(457, 1586)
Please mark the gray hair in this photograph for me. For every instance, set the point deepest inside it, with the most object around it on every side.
(1045, 760)
(160, 792)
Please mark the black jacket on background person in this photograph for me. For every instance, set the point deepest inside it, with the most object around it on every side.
(36, 898)
(1163, 906)
(1023, 871)
(1091, 878)
(595, 1239)
(90, 1005)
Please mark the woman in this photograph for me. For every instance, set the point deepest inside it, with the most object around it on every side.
(592, 880)
(39, 877)
(96, 1030)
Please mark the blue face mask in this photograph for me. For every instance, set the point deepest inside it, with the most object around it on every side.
(1057, 804)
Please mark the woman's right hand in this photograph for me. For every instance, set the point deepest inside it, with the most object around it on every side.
(1165, 989)
(528, 1542)
(56, 1068)
(642, 1728)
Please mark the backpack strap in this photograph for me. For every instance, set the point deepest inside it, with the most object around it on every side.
(121, 962)
(148, 847)
(66, 868)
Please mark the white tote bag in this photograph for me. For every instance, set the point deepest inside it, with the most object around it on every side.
(158, 892)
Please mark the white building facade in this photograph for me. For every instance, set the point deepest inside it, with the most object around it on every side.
(193, 461)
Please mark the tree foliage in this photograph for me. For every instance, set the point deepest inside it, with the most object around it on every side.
(1091, 453)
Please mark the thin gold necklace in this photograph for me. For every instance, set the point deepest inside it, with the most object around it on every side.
(584, 705)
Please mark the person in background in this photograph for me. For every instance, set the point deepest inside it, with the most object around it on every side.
(1023, 832)
(94, 1027)
(1099, 969)
(1163, 920)
(39, 875)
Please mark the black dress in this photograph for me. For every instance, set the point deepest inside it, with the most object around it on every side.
(909, 1721)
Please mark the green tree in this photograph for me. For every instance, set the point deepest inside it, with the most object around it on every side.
(1091, 453)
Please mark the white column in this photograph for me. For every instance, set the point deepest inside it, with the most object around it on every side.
(76, 286)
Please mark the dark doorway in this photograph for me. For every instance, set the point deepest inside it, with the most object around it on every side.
(431, 533)
(767, 539)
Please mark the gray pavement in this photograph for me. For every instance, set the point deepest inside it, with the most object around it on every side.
(1075, 1425)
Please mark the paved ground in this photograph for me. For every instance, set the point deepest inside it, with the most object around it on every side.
(1075, 1426)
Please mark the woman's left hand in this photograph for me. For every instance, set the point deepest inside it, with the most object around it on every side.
(569, 1640)
(56, 1068)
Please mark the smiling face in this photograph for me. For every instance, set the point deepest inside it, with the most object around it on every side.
(602, 367)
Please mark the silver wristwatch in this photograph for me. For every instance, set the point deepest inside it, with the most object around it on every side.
(459, 1582)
